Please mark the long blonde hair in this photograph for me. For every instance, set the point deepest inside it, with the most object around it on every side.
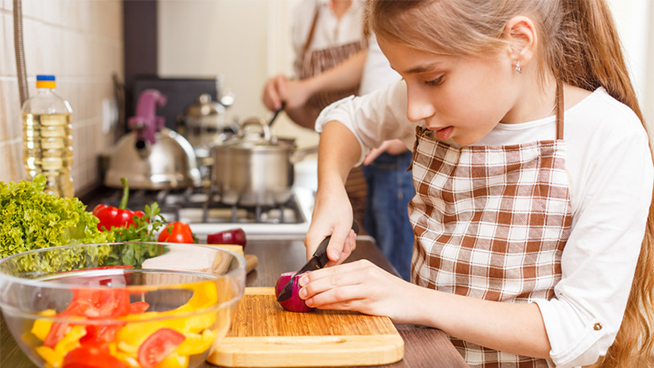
(579, 45)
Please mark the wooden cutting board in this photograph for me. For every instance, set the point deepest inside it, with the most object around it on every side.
(265, 335)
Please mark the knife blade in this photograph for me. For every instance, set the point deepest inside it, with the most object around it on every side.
(318, 260)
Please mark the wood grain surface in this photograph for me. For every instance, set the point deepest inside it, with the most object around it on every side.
(265, 335)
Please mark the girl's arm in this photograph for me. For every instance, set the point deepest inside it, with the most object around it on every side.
(512, 327)
(332, 213)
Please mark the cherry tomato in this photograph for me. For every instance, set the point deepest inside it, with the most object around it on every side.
(91, 357)
(177, 232)
(158, 346)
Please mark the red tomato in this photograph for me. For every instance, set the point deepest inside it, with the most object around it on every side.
(106, 303)
(91, 357)
(56, 333)
(138, 307)
(100, 335)
(177, 232)
(158, 346)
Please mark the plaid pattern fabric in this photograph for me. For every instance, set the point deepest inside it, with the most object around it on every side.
(315, 62)
(490, 223)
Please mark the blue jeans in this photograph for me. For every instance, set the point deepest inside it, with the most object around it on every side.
(390, 188)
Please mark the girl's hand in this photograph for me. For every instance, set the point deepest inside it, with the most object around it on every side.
(332, 215)
(359, 286)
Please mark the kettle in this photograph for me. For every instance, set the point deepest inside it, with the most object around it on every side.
(152, 156)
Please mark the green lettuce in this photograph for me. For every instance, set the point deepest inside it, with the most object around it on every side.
(31, 219)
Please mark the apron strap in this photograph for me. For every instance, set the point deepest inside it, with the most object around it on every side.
(560, 110)
(312, 31)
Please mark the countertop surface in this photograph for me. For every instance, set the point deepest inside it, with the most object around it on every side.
(423, 347)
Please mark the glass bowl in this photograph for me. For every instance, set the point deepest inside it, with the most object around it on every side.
(121, 305)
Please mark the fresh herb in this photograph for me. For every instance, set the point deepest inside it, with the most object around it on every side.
(143, 230)
(31, 219)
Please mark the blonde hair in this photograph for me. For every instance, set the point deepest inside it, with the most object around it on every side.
(579, 45)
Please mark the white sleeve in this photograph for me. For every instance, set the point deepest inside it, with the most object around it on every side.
(600, 256)
(373, 118)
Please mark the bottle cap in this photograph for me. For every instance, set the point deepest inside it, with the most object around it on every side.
(45, 81)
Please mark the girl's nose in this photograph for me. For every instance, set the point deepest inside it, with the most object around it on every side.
(419, 105)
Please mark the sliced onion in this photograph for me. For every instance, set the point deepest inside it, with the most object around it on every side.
(294, 303)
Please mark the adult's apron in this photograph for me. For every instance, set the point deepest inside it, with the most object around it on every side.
(314, 62)
(491, 222)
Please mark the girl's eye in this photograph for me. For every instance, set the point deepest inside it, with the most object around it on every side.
(434, 82)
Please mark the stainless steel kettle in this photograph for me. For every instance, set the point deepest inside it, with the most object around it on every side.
(151, 156)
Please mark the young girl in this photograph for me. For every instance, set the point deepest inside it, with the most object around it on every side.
(534, 180)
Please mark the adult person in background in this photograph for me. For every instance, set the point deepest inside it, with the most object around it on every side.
(389, 185)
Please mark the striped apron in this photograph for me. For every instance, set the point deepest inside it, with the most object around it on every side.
(491, 222)
(311, 63)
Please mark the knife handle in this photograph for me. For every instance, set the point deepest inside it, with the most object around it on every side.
(321, 253)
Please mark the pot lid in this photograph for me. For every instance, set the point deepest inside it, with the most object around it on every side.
(204, 106)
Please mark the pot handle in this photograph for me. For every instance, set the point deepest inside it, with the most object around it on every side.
(299, 155)
(258, 122)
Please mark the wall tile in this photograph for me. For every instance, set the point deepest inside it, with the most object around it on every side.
(11, 167)
(10, 107)
(80, 41)
(108, 11)
(10, 122)
(8, 56)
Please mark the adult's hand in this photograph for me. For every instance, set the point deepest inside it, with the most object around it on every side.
(274, 91)
(393, 147)
(296, 93)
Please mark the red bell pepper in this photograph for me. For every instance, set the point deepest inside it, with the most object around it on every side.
(116, 217)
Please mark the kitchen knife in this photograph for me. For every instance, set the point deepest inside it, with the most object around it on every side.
(318, 260)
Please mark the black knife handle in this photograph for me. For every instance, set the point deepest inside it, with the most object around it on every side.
(321, 253)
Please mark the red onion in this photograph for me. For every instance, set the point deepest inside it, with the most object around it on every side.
(231, 236)
(294, 303)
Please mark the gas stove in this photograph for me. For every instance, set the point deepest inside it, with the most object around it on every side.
(207, 213)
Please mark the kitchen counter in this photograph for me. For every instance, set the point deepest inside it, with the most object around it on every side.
(423, 347)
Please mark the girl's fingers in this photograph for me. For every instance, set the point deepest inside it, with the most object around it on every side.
(343, 297)
(325, 279)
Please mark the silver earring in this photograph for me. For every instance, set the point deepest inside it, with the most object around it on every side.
(517, 67)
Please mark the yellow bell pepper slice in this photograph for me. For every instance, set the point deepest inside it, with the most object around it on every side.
(205, 294)
(41, 327)
(196, 343)
(70, 341)
(173, 360)
(51, 356)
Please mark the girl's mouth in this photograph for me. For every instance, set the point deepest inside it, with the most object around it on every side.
(444, 133)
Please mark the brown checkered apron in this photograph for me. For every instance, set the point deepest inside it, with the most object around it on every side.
(490, 222)
(315, 62)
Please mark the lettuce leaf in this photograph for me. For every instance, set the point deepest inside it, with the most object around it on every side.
(31, 219)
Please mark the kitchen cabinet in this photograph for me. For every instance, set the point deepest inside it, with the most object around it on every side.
(423, 347)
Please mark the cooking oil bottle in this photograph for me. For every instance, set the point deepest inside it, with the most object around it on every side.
(48, 137)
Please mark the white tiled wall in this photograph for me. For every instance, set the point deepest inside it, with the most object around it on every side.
(80, 42)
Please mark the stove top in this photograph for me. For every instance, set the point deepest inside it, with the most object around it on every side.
(206, 212)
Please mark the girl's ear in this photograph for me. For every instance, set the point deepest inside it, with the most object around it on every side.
(520, 32)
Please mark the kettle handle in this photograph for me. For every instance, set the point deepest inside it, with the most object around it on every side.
(258, 122)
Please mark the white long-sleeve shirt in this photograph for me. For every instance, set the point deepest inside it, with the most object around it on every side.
(611, 176)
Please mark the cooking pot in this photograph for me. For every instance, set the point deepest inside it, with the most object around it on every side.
(255, 169)
(151, 156)
(203, 122)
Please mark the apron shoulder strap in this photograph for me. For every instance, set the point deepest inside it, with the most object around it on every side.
(312, 30)
(560, 110)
